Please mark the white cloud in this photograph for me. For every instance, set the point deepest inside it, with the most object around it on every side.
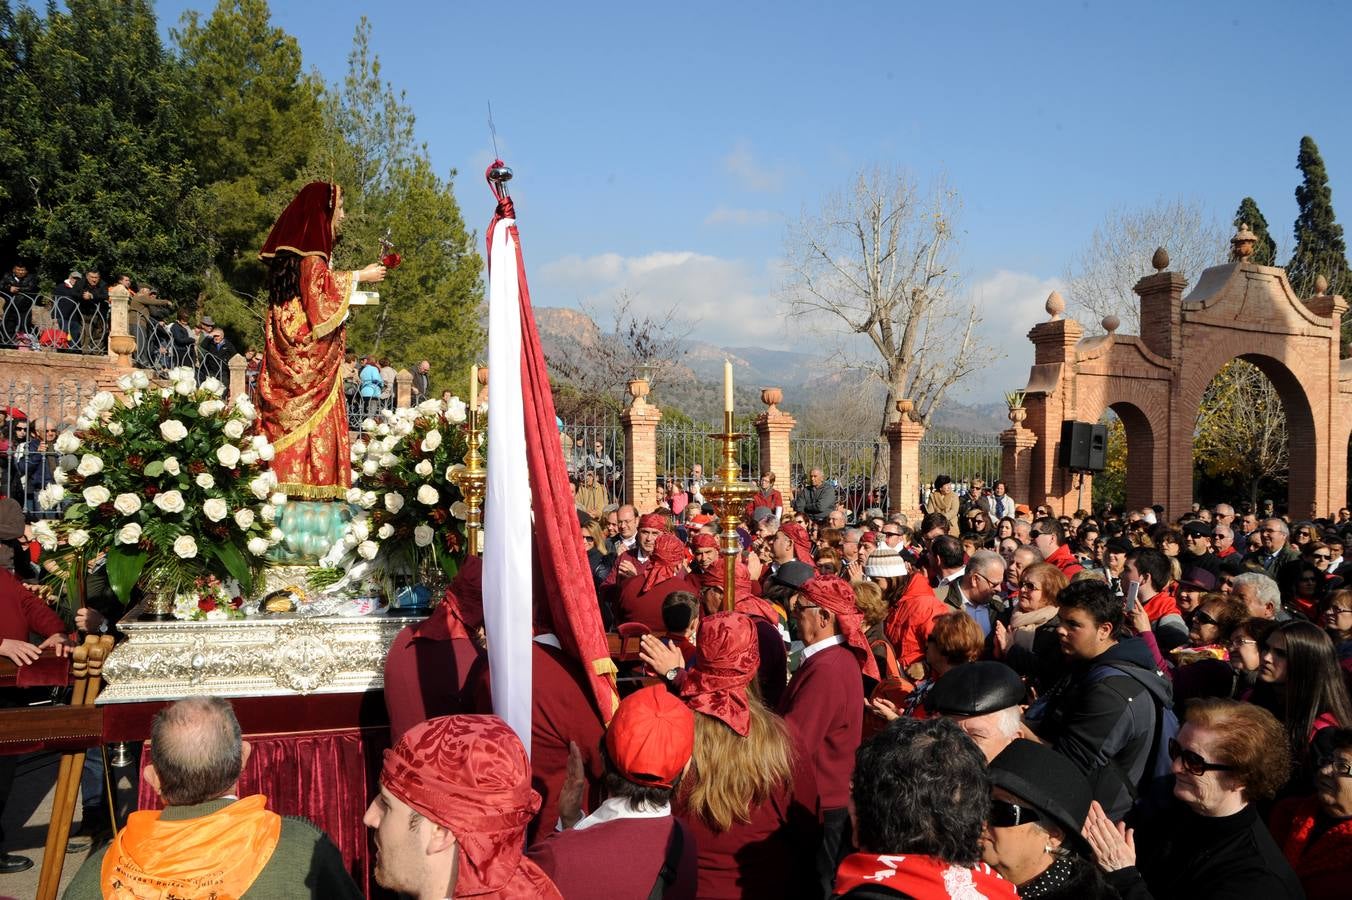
(1011, 303)
(731, 302)
(726, 216)
(750, 172)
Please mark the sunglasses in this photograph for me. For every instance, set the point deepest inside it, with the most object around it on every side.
(1010, 815)
(1202, 618)
(1323, 556)
(1193, 763)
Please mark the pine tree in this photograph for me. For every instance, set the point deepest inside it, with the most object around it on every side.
(1265, 249)
(1320, 248)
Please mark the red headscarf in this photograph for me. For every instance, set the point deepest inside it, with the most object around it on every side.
(653, 520)
(461, 611)
(668, 555)
(727, 662)
(470, 774)
(305, 227)
(703, 540)
(802, 544)
(835, 594)
(747, 601)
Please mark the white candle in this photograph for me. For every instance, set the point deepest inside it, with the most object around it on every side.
(727, 386)
(473, 399)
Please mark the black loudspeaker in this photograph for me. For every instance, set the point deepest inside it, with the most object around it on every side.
(1084, 446)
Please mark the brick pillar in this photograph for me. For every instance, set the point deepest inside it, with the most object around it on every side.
(640, 420)
(1162, 312)
(1016, 461)
(238, 382)
(903, 467)
(774, 427)
(403, 388)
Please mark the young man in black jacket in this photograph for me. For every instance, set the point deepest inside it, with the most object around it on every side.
(1105, 715)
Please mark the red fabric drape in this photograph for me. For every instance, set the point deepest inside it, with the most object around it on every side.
(328, 778)
(566, 578)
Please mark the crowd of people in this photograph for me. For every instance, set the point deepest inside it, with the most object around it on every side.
(71, 317)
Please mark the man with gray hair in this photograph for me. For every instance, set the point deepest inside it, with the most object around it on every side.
(207, 835)
(1260, 594)
(815, 499)
(977, 592)
(1275, 552)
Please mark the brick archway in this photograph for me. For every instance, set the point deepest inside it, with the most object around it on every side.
(1155, 382)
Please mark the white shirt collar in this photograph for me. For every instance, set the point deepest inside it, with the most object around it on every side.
(613, 808)
(821, 645)
(549, 640)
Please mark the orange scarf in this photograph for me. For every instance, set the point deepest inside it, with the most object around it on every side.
(215, 857)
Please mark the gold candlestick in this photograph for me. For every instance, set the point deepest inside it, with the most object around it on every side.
(729, 494)
(472, 481)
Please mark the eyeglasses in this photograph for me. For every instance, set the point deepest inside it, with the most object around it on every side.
(1193, 763)
(1238, 643)
(1339, 768)
(1202, 618)
(891, 534)
(1034, 535)
(1339, 611)
(1325, 557)
(1010, 815)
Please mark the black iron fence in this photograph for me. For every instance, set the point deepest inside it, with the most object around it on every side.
(960, 455)
(595, 443)
(847, 464)
(162, 345)
(32, 416)
(61, 324)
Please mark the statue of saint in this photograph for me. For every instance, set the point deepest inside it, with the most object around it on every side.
(300, 390)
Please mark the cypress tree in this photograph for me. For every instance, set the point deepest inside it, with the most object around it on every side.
(1320, 248)
(1265, 249)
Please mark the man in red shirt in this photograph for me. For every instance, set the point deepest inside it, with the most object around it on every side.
(1050, 540)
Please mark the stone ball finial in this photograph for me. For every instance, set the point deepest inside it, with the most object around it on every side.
(1321, 286)
(1056, 305)
(1111, 323)
(1242, 244)
(1160, 260)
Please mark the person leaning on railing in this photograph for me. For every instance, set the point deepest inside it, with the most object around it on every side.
(19, 287)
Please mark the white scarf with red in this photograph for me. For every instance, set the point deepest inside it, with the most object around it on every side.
(922, 877)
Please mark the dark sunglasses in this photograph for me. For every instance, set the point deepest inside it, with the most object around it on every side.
(1192, 762)
(1202, 618)
(1034, 534)
(1324, 556)
(1010, 815)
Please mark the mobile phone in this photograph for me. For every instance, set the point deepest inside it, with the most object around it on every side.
(1129, 596)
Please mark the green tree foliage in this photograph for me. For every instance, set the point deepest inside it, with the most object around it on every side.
(430, 304)
(1265, 249)
(1320, 248)
(100, 176)
(1240, 440)
(253, 116)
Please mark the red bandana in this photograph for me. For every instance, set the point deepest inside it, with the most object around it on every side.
(744, 587)
(922, 877)
(461, 611)
(653, 520)
(703, 540)
(668, 555)
(835, 594)
(470, 774)
(728, 659)
(305, 227)
(802, 544)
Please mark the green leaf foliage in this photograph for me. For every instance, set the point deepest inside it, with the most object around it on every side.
(124, 566)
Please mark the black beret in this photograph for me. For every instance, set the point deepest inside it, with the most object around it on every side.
(793, 574)
(975, 689)
(1197, 528)
(1120, 545)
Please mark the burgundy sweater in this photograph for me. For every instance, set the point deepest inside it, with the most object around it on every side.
(616, 859)
(825, 704)
(426, 678)
(22, 613)
(646, 607)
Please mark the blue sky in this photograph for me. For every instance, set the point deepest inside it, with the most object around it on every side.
(664, 148)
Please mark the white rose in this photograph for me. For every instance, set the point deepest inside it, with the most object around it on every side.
(173, 430)
(260, 487)
(78, 538)
(361, 528)
(459, 509)
(115, 429)
(456, 411)
(350, 540)
(45, 499)
(368, 499)
(278, 499)
(275, 535)
(205, 481)
(208, 408)
(84, 423)
(171, 465)
(140, 380)
(367, 549)
(216, 509)
(370, 467)
(267, 512)
(127, 504)
(44, 534)
(234, 429)
(184, 388)
(216, 615)
(89, 465)
(427, 495)
(248, 458)
(431, 441)
(59, 475)
(354, 495)
(124, 383)
(96, 495)
(228, 454)
(422, 535)
(359, 449)
(55, 493)
(179, 373)
(169, 501)
(185, 546)
(102, 401)
(244, 517)
(166, 393)
(214, 385)
(258, 546)
(430, 407)
(66, 443)
(394, 502)
(368, 424)
(382, 429)
(129, 534)
(267, 452)
(423, 468)
(386, 531)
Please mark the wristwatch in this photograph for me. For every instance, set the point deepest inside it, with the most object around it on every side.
(671, 674)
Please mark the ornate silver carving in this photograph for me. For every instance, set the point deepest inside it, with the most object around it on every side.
(254, 657)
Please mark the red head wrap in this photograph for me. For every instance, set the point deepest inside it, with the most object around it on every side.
(727, 661)
(305, 227)
(802, 544)
(470, 774)
(835, 594)
(742, 583)
(703, 540)
(668, 555)
(653, 520)
(461, 610)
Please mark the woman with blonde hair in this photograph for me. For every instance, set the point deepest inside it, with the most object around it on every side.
(749, 797)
